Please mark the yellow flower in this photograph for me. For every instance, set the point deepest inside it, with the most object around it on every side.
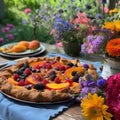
(117, 25)
(109, 25)
(115, 10)
(93, 108)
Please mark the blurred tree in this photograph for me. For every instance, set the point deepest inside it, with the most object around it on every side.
(2, 10)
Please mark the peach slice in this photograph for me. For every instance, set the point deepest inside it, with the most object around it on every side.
(58, 86)
(12, 81)
(74, 84)
(34, 78)
(36, 64)
(68, 72)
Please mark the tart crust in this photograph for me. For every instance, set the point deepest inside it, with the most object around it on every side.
(45, 95)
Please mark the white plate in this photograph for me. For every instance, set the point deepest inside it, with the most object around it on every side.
(25, 55)
(21, 53)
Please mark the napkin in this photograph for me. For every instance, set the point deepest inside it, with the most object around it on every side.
(15, 110)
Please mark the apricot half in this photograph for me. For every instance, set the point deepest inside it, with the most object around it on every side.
(34, 44)
(24, 43)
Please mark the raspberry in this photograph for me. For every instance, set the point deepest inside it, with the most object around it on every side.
(26, 82)
(61, 68)
(16, 76)
(27, 71)
(70, 81)
(57, 80)
(48, 66)
(67, 67)
(21, 83)
(45, 81)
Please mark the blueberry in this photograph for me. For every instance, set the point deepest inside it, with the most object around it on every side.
(70, 64)
(18, 79)
(22, 68)
(57, 68)
(75, 65)
(74, 73)
(33, 70)
(26, 65)
(75, 78)
(52, 77)
(52, 72)
(23, 76)
(29, 87)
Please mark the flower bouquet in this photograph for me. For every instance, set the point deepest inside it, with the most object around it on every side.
(72, 32)
(106, 41)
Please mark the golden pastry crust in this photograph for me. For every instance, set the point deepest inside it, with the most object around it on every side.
(38, 84)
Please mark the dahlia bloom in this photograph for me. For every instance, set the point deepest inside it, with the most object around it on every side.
(113, 95)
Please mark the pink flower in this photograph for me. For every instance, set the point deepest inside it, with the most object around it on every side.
(27, 10)
(52, 32)
(113, 95)
(5, 30)
(59, 44)
(10, 26)
(10, 36)
(1, 40)
(106, 10)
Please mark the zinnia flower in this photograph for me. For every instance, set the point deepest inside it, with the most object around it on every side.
(113, 47)
(93, 108)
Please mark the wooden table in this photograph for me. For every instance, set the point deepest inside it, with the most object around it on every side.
(74, 112)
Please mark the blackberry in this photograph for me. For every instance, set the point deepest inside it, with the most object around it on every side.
(52, 72)
(39, 86)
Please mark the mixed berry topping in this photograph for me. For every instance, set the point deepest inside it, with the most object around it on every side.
(43, 73)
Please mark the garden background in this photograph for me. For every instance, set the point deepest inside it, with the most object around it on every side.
(12, 12)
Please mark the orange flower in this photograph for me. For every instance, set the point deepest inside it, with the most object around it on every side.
(109, 25)
(113, 47)
(115, 10)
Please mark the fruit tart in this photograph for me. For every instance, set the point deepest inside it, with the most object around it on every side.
(44, 79)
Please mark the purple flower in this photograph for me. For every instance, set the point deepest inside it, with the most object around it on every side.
(5, 30)
(103, 1)
(85, 66)
(99, 16)
(10, 26)
(1, 40)
(61, 25)
(101, 83)
(10, 36)
(84, 48)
